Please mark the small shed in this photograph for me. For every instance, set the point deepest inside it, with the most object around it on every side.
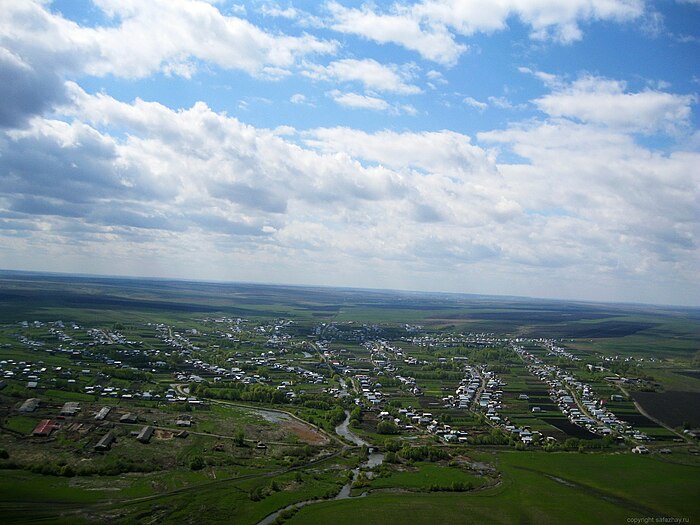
(105, 443)
(30, 405)
(129, 417)
(70, 408)
(102, 413)
(145, 434)
(44, 428)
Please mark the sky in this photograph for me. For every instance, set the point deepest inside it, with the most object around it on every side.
(541, 148)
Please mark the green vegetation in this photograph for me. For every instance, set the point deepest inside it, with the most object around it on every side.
(243, 386)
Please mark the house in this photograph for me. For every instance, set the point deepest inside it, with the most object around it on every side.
(640, 449)
(105, 443)
(536, 409)
(145, 435)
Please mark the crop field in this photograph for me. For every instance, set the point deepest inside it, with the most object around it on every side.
(672, 407)
(246, 390)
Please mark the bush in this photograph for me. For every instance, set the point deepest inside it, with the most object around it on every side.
(387, 427)
(391, 457)
(197, 463)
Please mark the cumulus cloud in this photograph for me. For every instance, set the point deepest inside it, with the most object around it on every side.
(370, 73)
(141, 39)
(358, 101)
(87, 178)
(585, 196)
(25, 90)
(608, 102)
(444, 152)
(618, 202)
(431, 27)
(197, 172)
(433, 42)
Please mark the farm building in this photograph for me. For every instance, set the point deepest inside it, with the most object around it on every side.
(102, 413)
(145, 434)
(70, 408)
(129, 417)
(30, 405)
(105, 443)
(44, 428)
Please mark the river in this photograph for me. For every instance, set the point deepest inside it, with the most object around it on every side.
(374, 460)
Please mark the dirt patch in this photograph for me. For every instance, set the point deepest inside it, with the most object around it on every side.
(164, 434)
(305, 433)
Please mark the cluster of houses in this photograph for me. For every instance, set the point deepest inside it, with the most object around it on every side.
(470, 340)
(70, 409)
(466, 391)
(370, 392)
(174, 340)
(107, 337)
(577, 400)
(489, 400)
(554, 350)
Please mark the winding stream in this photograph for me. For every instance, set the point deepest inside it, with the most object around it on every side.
(375, 459)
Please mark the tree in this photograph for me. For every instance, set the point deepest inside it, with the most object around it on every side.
(387, 427)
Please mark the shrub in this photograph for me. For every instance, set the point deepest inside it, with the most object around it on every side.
(387, 427)
(197, 463)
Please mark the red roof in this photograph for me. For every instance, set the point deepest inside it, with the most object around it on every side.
(44, 428)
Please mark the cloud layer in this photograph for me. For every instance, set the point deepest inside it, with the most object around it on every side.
(567, 197)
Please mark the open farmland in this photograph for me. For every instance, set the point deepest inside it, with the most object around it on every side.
(121, 399)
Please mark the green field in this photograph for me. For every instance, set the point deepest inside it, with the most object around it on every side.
(537, 488)
(258, 370)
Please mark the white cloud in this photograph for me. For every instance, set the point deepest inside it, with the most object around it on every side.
(357, 101)
(600, 196)
(607, 102)
(472, 102)
(444, 152)
(369, 72)
(430, 27)
(433, 42)
(297, 98)
(146, 37)
(275, 10)
(588, 201)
